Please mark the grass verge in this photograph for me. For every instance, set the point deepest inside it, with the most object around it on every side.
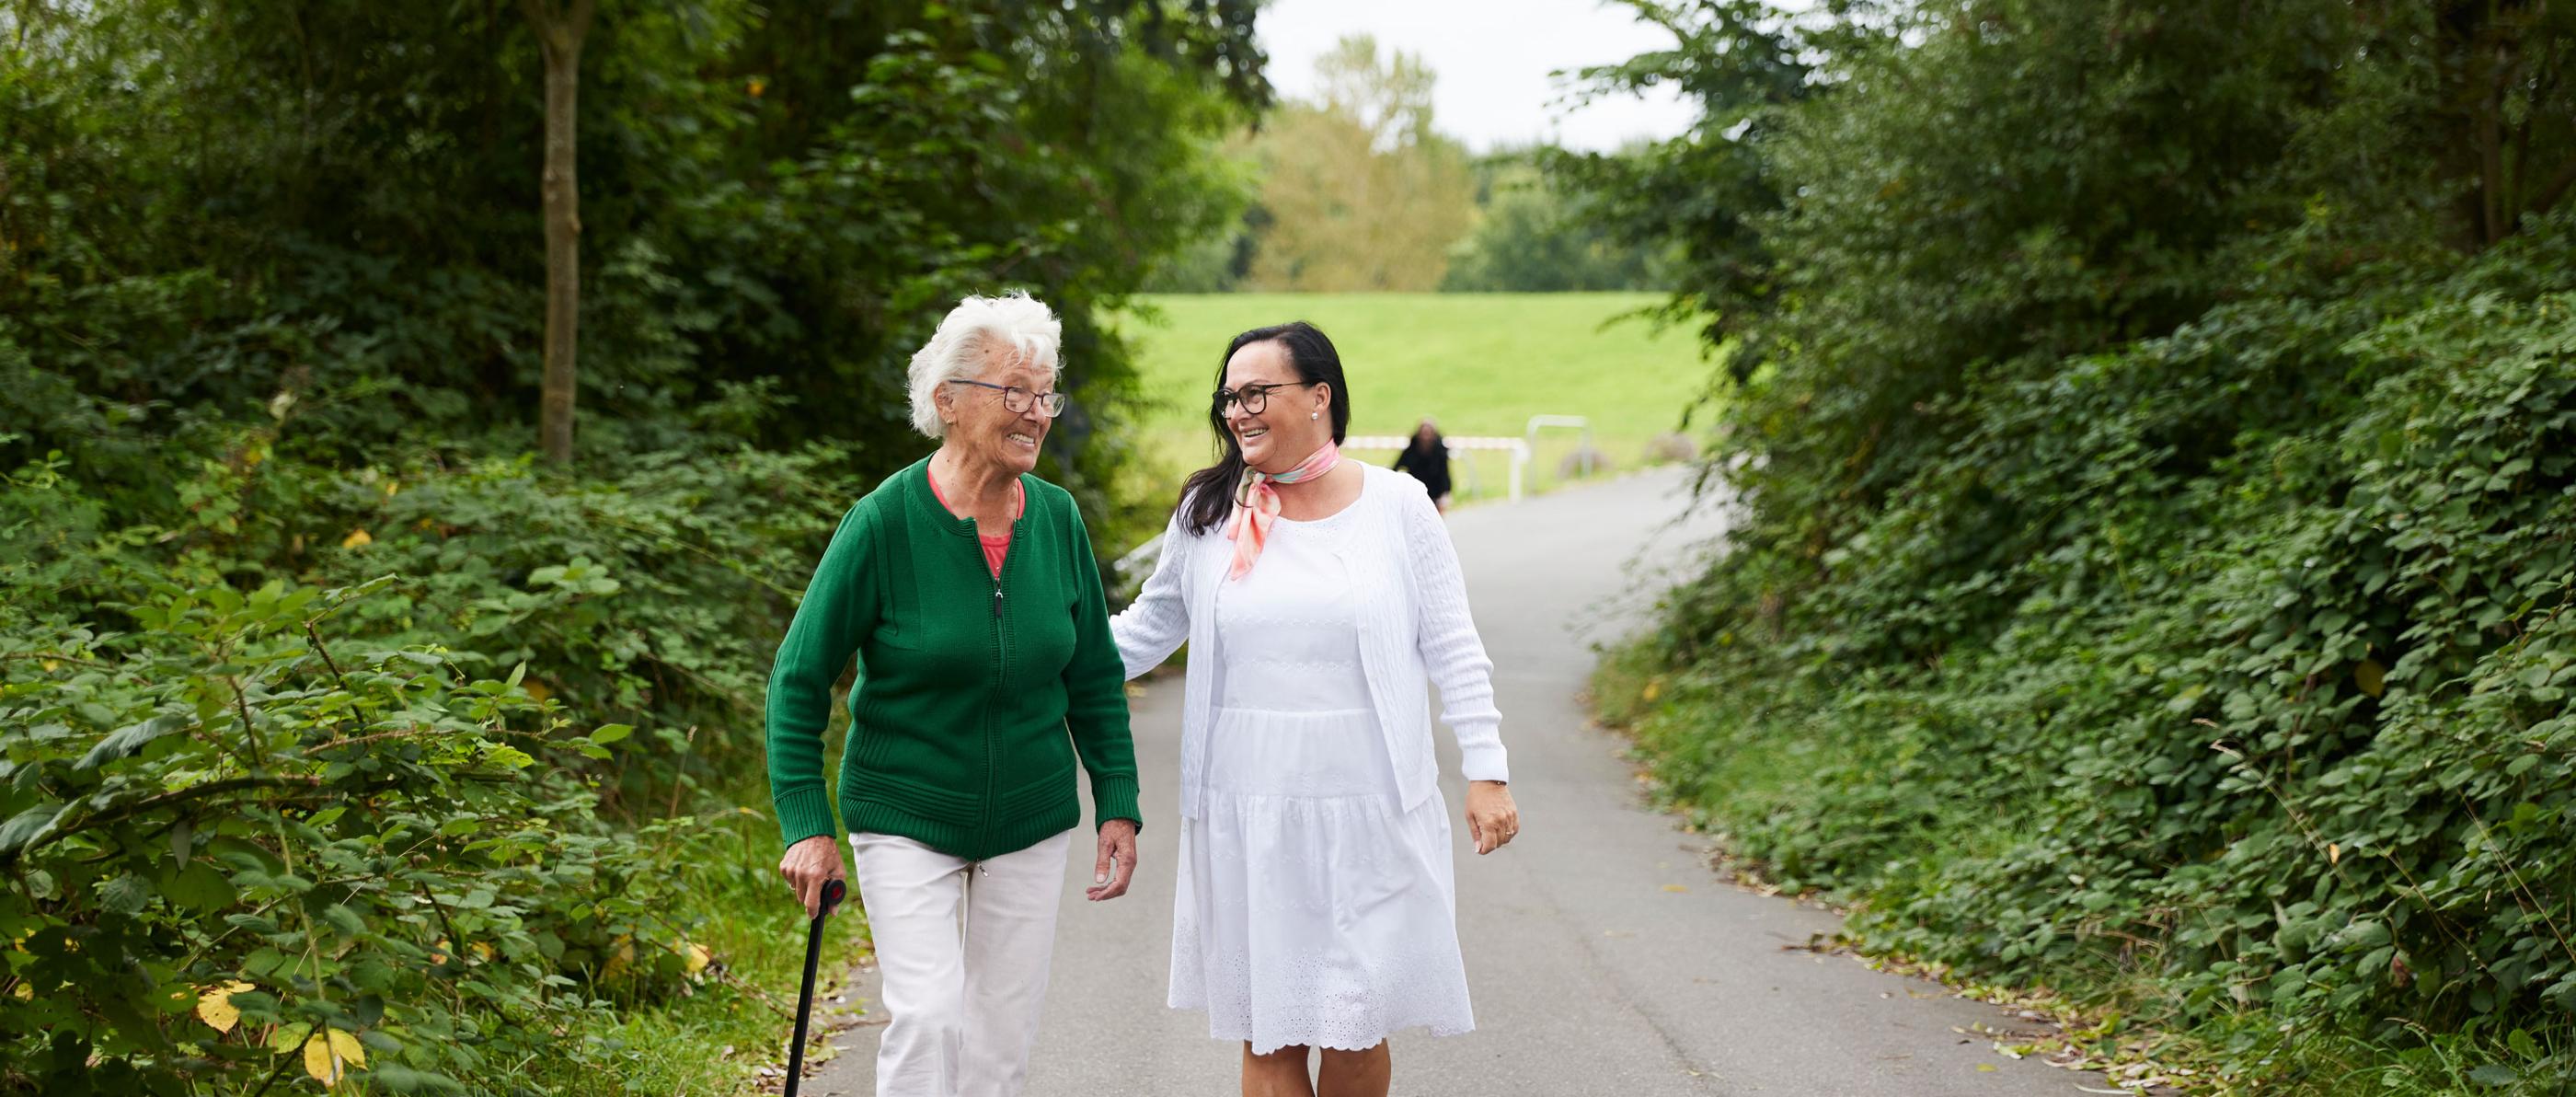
(728, 1034)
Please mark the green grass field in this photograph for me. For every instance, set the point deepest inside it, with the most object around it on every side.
(1481, 364)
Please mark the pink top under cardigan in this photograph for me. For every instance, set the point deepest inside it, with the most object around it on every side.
(997, 546)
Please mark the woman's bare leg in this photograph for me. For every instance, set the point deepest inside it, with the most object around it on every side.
(1355, 1073)
(1281, 1073)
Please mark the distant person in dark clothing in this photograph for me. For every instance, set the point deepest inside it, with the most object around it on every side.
(1428, 460)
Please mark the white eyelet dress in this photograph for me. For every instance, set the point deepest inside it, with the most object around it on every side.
(1312, 909)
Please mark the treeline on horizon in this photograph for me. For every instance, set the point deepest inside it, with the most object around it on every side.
(1357, 190)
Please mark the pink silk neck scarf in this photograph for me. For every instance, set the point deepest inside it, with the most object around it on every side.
(1256, 505)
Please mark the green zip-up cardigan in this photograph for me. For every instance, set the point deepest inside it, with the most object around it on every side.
(974, 695)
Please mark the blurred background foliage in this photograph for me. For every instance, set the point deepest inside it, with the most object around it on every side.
(1357, 190)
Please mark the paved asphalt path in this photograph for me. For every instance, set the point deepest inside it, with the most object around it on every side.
(1604, 955)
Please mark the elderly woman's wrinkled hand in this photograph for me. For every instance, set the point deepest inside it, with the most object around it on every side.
(1116, 864)
(1492, 819)
(807, 865)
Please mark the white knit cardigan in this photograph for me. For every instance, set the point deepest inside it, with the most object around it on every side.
(1414, 632)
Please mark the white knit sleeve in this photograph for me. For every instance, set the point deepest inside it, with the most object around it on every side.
(1452, 654)
(1153, 626)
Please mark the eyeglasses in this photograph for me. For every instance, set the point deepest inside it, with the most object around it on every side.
(1016, 400)
(1254, 398)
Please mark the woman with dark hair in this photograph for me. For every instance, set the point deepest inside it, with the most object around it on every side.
(1316, 903)
(1427, 459)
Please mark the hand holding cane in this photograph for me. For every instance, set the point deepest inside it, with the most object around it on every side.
(832, 892)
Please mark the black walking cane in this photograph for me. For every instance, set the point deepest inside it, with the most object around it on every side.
(832, 892)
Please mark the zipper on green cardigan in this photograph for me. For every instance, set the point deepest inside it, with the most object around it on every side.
(1001, 677)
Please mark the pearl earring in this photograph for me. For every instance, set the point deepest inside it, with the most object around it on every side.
(1314, 415)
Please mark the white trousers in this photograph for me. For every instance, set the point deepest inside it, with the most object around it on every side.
(962, 949)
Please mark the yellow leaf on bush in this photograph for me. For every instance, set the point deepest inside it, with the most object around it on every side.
(537, 690)
(215, 1005)
(357, 539)
(330, 1056)
(617, 963)
(696, 957)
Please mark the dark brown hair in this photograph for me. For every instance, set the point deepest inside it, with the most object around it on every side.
(1208, 497)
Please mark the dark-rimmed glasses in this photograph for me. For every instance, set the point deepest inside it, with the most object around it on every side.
(1016, 400)
(1254, 399)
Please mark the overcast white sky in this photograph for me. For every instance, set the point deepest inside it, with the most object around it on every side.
(1492, 58)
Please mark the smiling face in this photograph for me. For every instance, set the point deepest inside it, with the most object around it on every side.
(981, 426)
(1295, 423)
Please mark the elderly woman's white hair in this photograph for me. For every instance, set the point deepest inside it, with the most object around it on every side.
(1014, 323)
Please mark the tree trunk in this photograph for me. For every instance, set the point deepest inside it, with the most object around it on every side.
(559, 37)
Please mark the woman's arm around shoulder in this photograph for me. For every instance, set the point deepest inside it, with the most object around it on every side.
(1094, 690)
(1153, 626)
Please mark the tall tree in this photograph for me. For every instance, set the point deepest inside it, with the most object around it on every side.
(1390, 97)
(1703, 195)
(770, 215)
(2501, 64)
(560, 31)
(1361, 193)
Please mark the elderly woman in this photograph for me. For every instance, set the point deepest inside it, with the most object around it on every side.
(968, 591)
(1319, 597)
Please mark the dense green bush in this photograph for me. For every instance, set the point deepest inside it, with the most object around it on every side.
(652, 595)
(2158, 512)
(355, 805)
(302, 658)
(702, 548)
(2292, 734)
(242, 844)
(220, 213)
